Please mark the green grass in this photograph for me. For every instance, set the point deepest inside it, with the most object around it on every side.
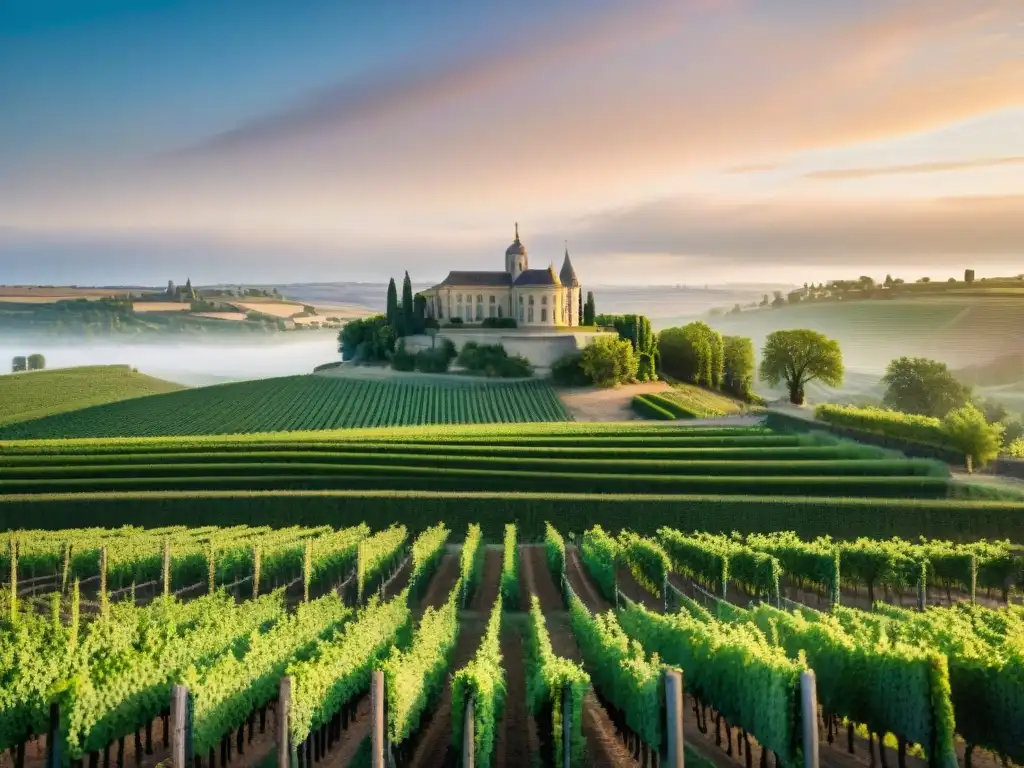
(38, 394)
(300, 403)
(954, 519)
(701, 403)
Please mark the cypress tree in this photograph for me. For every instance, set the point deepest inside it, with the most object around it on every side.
(392, 313)
(407, 306)
(589, 310)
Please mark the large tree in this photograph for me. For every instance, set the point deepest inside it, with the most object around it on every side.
(608, 361)
(694, 353)
(968, 431)
(926, 387)
(36, 362)
(740, 366)
(392, 311)
(408, 310)
(799, 357)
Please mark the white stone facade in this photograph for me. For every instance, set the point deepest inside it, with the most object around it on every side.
(533, 297)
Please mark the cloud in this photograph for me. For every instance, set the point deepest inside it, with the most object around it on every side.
(920, 232)
(427, 84)
(914, 168)
(739, 170)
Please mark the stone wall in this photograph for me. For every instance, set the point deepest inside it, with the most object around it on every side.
(541, 348)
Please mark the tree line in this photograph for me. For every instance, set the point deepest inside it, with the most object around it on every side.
(34, 362)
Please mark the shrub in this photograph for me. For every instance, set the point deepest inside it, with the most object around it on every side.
(608, 362)
(969, 432)
(402, 359)
(568, 372)
(493, 361)
(1015, 450)
(455, 321)
(921, 429)
(499, 322)
(649, 409)
(432, 361)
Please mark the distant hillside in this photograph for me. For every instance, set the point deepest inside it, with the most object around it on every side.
(35, 394)
(961, 331)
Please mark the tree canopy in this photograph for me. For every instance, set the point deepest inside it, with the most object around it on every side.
(608, 361)
(970, 433)
(693, 353)
(926, 387)
(798, 357)
(740, 366)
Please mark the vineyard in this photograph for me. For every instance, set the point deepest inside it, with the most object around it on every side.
(240, 646)
(640, 475)
(300, 403)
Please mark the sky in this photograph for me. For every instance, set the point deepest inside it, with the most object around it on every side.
(693, 141)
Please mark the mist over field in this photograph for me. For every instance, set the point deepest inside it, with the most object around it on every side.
(187, 361)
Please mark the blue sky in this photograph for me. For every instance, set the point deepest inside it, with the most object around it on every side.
(739, 139)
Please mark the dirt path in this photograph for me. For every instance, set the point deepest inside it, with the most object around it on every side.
(515, 738)
(433, 742)
(442, 582)
(630, 587)
(536, 579)
(352, 737)
(583, 585)
(604, 746)
(490, 582)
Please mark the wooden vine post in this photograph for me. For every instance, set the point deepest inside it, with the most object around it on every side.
(181, 727)
(104, 602)
(674, 718)
(211, 576)
(307, 570)
(14, 579)
(257, 566)
(468, 737)
(377, 721)
(922, 587)
(284, 706)
(809, 712)
(165, 571)
(566, 726)
(53, 738)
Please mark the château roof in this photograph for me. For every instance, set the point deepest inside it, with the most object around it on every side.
(568, 274)
(538, 277)
(517, 248)
(478, 279)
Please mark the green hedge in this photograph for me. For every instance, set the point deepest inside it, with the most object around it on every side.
(220, 464)
(468, 480)
(649, 409)
(676, 409)
(327, 452)
(807, 517)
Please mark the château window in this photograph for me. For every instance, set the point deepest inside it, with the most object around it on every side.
(543, 315)
(544, 300)
(479, 307)
(531, 301)
(529, 316)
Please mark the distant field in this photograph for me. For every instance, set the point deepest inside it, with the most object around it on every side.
(39, 394)
(161, 306)
(274, 308)
(230, 316)
(302, 403)
(956, 329)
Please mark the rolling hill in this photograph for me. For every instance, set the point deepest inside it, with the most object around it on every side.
(38, 394)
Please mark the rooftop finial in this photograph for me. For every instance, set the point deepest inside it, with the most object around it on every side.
(517, 231)
(567, 248)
